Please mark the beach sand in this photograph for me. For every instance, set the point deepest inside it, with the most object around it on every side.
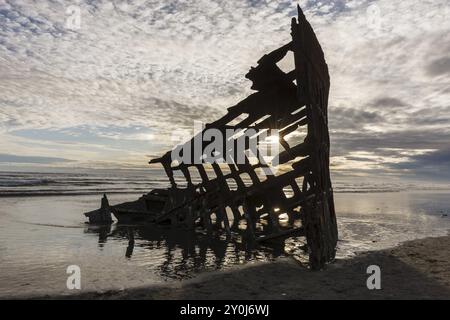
(37, 246)
(418, 269)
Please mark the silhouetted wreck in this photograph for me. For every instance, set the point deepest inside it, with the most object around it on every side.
(298, 199)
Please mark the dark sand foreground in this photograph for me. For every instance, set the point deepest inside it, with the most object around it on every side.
(418, 269)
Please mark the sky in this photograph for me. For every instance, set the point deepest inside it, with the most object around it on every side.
(112, 83)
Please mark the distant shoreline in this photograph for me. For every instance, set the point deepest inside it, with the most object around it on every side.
(97, 182)
(33, 194)
(417, 269)
(67, 194)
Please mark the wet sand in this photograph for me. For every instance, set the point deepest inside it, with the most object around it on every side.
(37, 246)
(418, 269)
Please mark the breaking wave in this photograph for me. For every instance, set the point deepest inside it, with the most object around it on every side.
(56, 184)
(94, 182)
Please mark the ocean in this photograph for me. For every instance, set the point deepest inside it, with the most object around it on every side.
(43, 231)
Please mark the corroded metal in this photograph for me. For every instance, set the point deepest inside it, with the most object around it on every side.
(298, 198)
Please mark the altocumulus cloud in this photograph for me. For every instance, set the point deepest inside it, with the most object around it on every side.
(434, 164)
(142, 68)
(10, 158)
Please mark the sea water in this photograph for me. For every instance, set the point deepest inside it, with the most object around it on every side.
(43, 231)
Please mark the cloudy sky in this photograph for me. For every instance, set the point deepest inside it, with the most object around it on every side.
(102, 83)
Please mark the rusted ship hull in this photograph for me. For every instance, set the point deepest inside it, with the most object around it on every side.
(292, 103)
(144, 210)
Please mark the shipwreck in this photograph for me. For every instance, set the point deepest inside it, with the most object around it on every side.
(297, 200)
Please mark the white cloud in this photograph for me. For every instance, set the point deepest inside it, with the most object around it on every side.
(160, 64)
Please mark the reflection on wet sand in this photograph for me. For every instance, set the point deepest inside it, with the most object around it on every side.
(186, 252)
